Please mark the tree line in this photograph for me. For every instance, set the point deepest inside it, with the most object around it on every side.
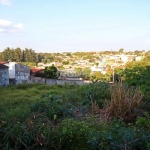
(29, 55)
(18, 55)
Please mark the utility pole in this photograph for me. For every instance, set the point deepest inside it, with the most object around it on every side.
(113, 75)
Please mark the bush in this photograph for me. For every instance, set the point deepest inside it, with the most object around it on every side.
(98, 92)
(122, 137)
(50, 72)
(81, 134)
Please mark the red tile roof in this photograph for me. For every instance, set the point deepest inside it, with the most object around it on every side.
(3, 62)
(36, 70)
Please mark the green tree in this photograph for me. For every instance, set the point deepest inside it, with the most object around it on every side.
(29, 55)
(22, 56)
(107, 76)
(78, 71)
(86, 73)
(50, 72)
(8, 54)
(121, 50)
(96, 63)
(1, 56)
(98, 75)
(37, 59)
(68, 54)
(138, 74)
(65, 62)
(138, 52)
(17, 54)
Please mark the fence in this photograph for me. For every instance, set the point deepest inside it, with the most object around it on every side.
(48, 81)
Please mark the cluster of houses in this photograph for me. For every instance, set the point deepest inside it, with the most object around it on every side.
(101, 63)
(13, 73)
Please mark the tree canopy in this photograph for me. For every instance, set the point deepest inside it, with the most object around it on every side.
(50, 72)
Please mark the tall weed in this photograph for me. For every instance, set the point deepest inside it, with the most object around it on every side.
(124, 102)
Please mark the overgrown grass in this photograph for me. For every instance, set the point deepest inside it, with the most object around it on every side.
(16, 100)
(71, 117)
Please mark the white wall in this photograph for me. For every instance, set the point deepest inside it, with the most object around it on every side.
(11, 70)
(138, 58)
(124, 58)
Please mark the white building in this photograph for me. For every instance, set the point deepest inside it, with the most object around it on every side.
(98, 69)
(127, 58)
(138, 58)
(18, 73)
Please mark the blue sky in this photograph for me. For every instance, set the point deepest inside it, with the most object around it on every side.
(75, 25)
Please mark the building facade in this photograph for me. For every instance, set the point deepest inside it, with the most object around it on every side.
(4, 75)
(18, 73)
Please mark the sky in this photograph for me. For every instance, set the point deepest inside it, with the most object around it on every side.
(75, 25)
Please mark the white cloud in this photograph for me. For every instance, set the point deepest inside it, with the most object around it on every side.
(2, 30)
(19, 26)
(5, 23)
(5, 2)
(7, 26)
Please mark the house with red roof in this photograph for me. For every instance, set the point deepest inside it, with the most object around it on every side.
(37, 72)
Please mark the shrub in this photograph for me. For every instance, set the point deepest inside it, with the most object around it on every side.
(50, 72)
(143, 122)
(82, 134)
(119, 136)
(99, 92)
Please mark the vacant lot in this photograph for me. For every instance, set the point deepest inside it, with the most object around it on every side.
(93, 116)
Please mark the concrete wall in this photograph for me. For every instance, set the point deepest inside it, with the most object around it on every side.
(62, 82)
(37, 80)
(50, 81)
(73, 78)
(18, 73)
(22, 72)
(57, 81)
(4, 77)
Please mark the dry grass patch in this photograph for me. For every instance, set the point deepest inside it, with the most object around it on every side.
(124, 102)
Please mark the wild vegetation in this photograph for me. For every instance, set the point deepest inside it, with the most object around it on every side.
(94, 116)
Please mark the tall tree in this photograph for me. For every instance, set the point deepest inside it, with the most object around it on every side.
(121, 50)
(1, 56)
(17, 54)
(22, 56)
(8, 54)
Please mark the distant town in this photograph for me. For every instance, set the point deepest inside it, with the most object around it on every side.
(18, 66)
